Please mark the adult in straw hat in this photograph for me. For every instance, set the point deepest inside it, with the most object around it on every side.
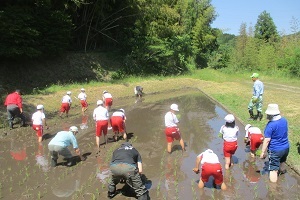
(276, 142)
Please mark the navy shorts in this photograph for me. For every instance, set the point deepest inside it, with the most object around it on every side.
(277, 157)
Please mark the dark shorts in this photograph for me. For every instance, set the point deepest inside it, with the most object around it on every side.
(277, 157)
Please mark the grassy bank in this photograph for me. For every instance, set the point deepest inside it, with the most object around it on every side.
(233, 91)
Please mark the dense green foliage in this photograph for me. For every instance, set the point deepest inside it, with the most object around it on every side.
(259, 50)
(33, 30)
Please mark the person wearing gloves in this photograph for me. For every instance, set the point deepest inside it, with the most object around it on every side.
(118, 125)
(257, 98)
(254, 137)
(66, 104)
(14, 106)
(171, 130)
(82, 97)
(38, 120)
(101, 116)
(126, 164)
(229, 133)
(107, 99)
(59, 146)
(276, 142)
(210, 166)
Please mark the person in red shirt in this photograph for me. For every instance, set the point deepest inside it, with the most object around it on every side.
(14, 106)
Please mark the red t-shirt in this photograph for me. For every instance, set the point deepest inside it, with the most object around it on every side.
(13, 98)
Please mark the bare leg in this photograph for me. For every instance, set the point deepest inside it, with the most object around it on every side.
(40, 139)
(169, 147)
(223, 186)
(227, 162)
(200, 184)
(182, 144)
(273, 176)
(98, 141)
(124, 135)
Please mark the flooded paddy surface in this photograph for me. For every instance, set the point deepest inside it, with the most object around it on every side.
(26, 173)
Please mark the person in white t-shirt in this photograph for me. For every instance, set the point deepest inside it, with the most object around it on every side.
(254, 137)
(107, 99)
(38, 120)
(210, 166)
(229, 133)
(66, 104)
(118, 125)
(171, 130)
(101, 116)
(82, 97)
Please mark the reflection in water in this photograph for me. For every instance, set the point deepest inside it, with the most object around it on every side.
(40, 158)
(84, 122)
(67, 186)
(251, 171)
(18, 150)
(103, 170)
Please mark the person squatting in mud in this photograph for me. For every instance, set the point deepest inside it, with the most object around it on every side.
(210, 166)
(126, 163)
(171, 130)
(59, 146)
(229, 133)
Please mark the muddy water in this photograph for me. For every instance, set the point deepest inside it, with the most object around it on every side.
(26, 172)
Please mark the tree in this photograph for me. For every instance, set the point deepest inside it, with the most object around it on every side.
(265, 28)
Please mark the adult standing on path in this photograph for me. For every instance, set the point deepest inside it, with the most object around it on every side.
(38, 120)
(276, 142)
(254, 137)
(66, 104)
(14, 106)
(126, 163)
(101, 116)
(82, 97)
(107, 99)
(59, 146)
(118, 124)
(257, 98)
(229, 133)
(172, 131)
(210, 166)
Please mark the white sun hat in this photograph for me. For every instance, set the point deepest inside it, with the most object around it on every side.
(69, 92)
(174, 107)
(82, 89)
(73, 129)
(247, 127)
(272, 109)
(39, 107)
(229, 118)
(99, 102)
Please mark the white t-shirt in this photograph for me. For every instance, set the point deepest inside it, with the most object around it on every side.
(171, 119)
(229, 134)
(100, 113)
(107, 95)
(209, 156)
(253, 130)
(119, 114)
(66, 99)
(82, 96)
(37, 118)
